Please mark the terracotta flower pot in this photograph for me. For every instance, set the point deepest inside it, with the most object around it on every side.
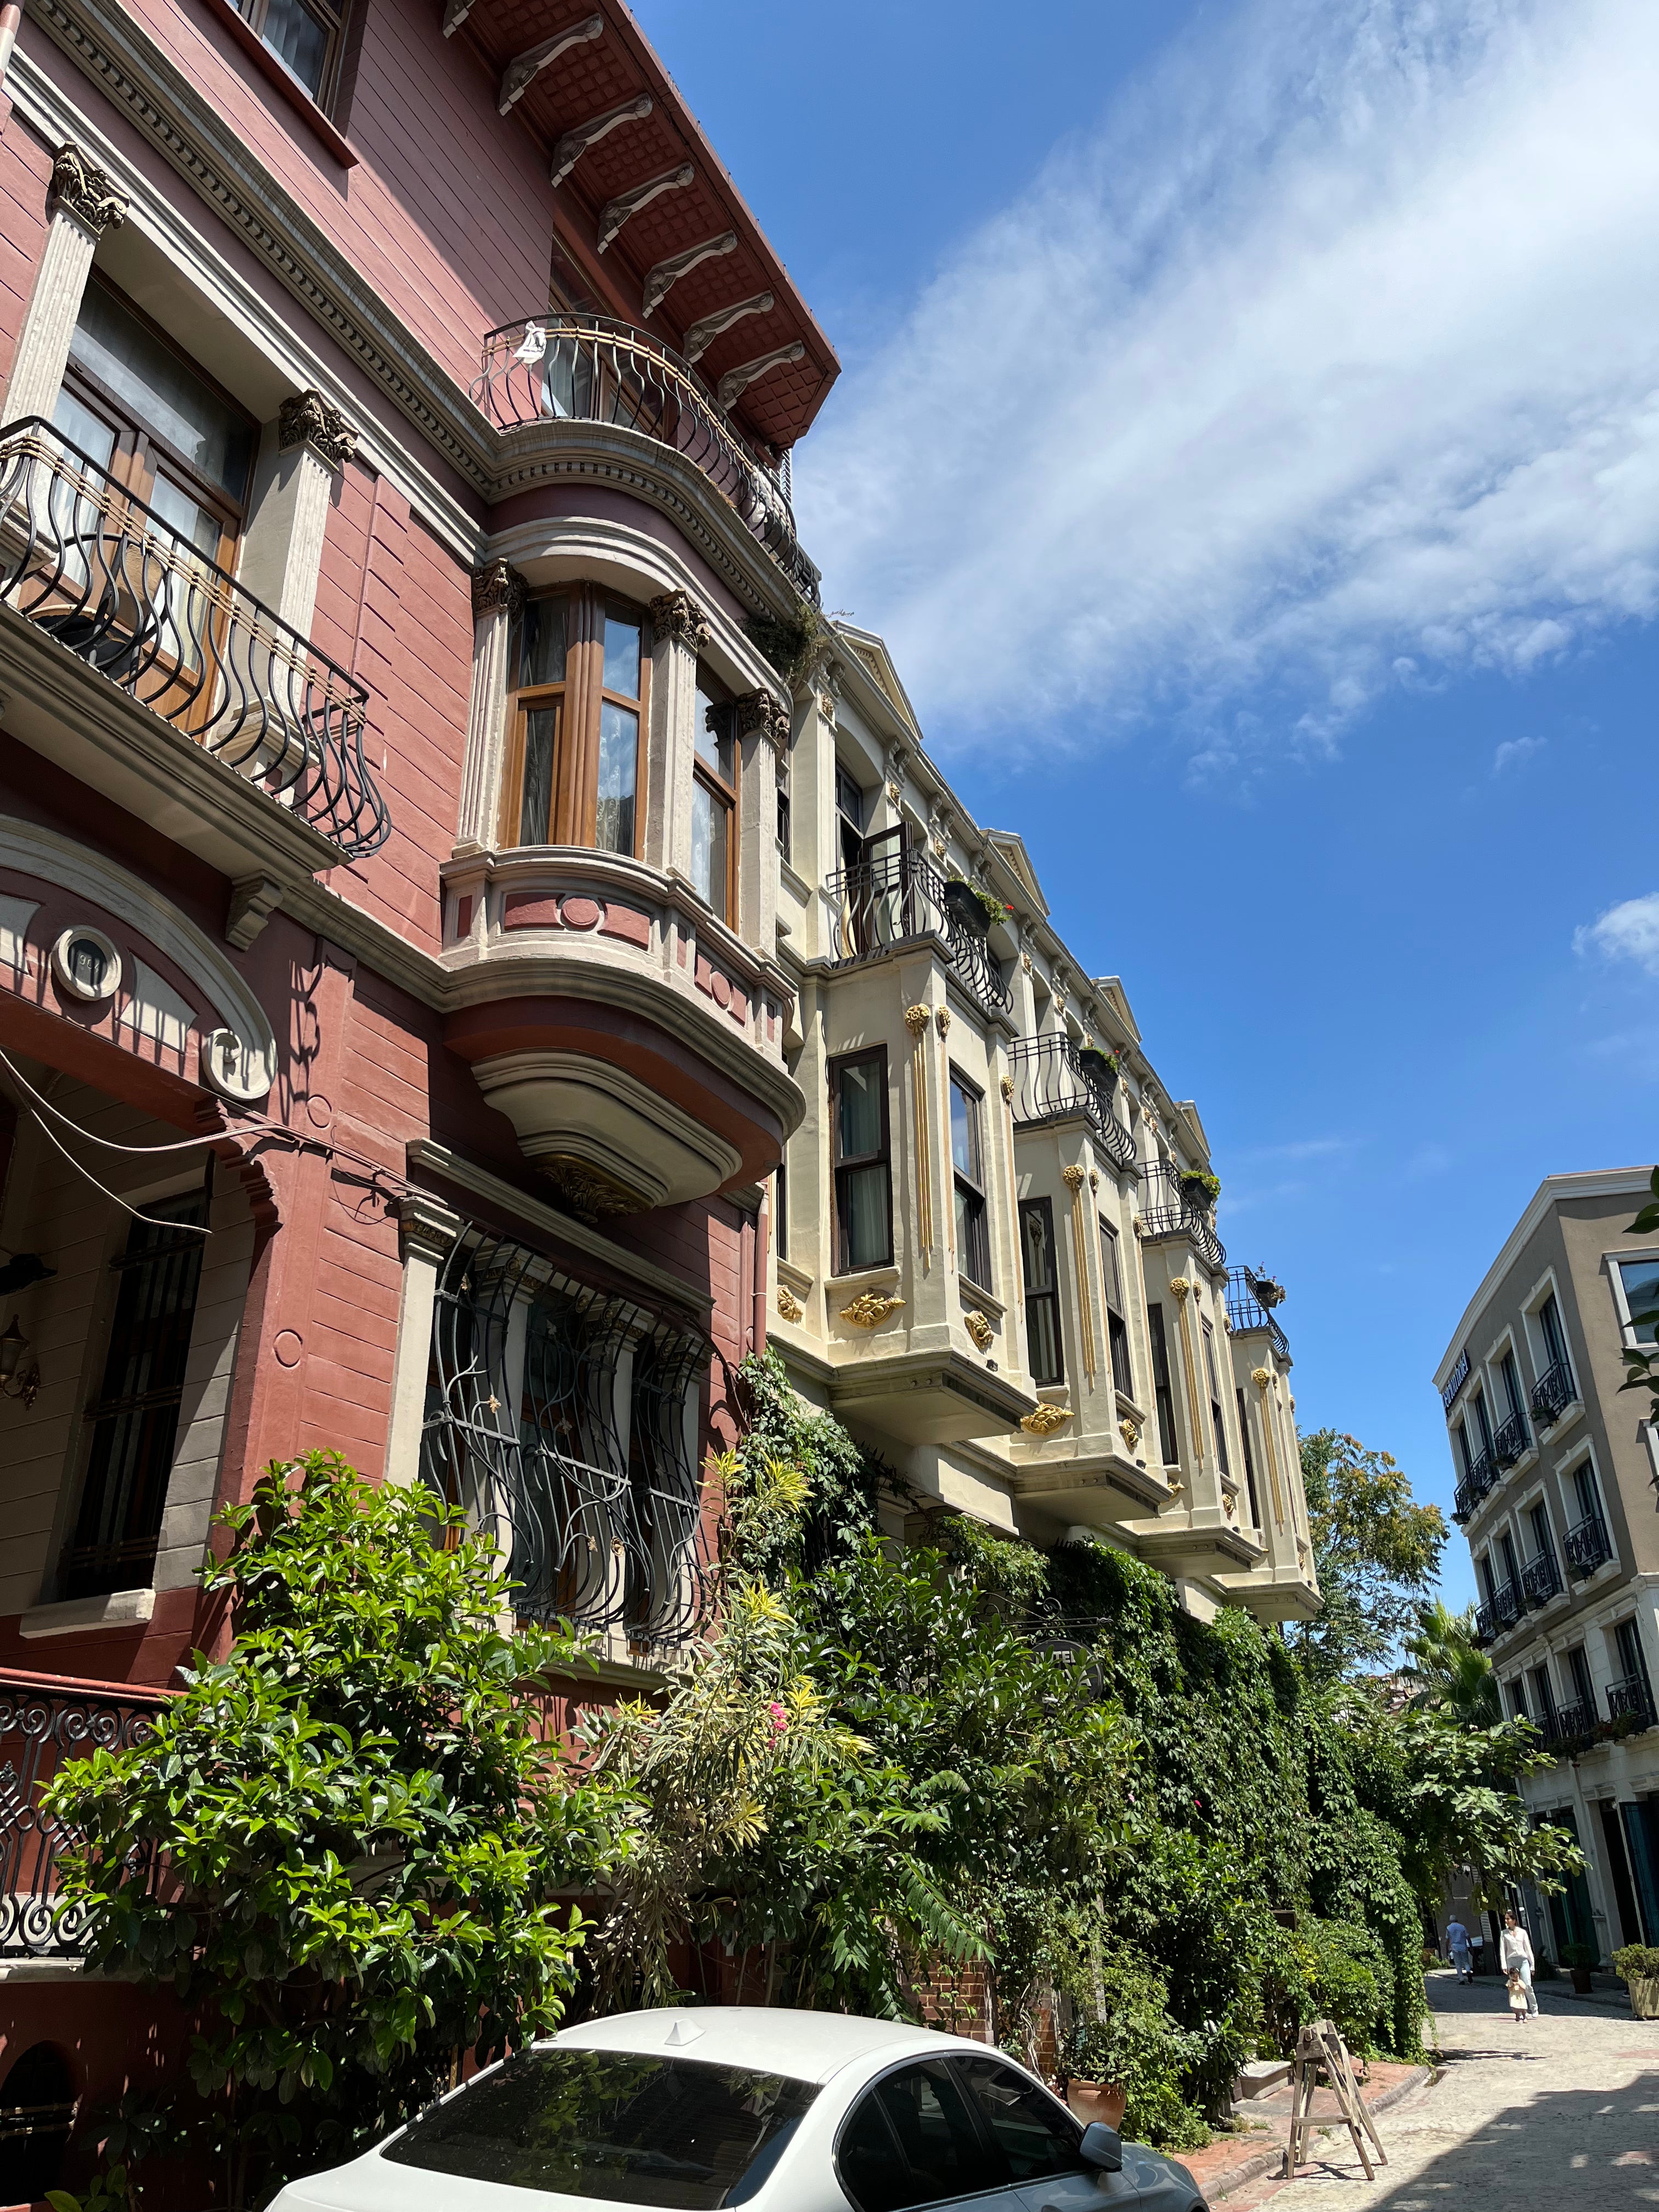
(1097, 2101)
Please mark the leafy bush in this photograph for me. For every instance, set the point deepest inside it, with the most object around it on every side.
(362, 1837)
(1637, 1962)
(1333, 1970)
(1123, 2033)
(1581, 1955)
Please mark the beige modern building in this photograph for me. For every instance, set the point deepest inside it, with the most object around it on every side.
(1556, 1473)
(995, 1256)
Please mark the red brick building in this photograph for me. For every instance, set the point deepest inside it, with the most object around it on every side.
(394, 443)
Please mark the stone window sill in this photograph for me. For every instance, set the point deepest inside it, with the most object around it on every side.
(82, 1616)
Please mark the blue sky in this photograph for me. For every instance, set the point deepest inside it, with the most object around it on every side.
(1249, 441)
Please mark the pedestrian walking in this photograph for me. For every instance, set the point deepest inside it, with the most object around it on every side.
(1458, 1942)
(1515, 1956)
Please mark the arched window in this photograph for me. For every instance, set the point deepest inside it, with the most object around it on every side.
(579, 672)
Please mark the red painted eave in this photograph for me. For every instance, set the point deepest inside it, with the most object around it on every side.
(590, 80)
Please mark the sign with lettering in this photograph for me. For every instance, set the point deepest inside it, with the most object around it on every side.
(1456, 1379)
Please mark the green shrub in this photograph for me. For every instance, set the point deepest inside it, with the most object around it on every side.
(1332, 1970)
(1124, 2035)
(1580, 1955)
(1637, 1962)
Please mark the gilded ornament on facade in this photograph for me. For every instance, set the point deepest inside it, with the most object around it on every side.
(1182, 1288)
(589, 1192)
(789, 1306)
(979, 1328)
(1073, 1179)
(894, 793)
(942, 1019)
(1261, 1377)
(1008, 1089)
(869, 1309)
(1044, 1419)
(915, 1019)
(1130, 1432)
(1094, 1179)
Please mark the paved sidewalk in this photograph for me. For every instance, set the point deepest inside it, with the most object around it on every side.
(1563, 2113)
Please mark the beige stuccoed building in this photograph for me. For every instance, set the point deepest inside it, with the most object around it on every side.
(1556, 1472)
(995, 1258)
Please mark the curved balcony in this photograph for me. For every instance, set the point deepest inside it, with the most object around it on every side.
(896, 897)
(1245, 1311)
(635, 1042)
(90, 566)
(1052, 1080)
(564, 367)
(1166, 1211)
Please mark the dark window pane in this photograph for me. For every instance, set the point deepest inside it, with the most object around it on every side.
(873, 2170)
(964, 1131)
(861, 1110)
(619, 752)
(1036, 2138)
(973, 1243)
(297, 39)
(849, 798)
(711, 821)
(613, 2126)
(543, 637)
(864, 1203)
(1042, 1334)
(1037, 1238)
(160, 391)
(621, 656)
(1641, 1278)
(714, 733)
(534, 813)
(1108, 1265)
(929, 2115)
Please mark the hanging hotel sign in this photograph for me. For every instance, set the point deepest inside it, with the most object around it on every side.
(1456, 1379)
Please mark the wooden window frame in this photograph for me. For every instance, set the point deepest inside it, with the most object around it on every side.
(1117, 1329)
(841, 1165)
(1169, 1433)
(1051, 1297)
(721, 793)
(578, 699)
(976, 1226)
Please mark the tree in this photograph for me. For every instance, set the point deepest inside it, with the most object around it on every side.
(358, 1834)
(1376, 1551)
(1454, 1676)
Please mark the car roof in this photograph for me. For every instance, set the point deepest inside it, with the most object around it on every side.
(806, 2046)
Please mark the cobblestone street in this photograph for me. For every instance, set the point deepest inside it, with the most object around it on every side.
(1561, 2112)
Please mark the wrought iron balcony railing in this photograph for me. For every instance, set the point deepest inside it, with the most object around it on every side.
(1485, 1624)
(46, 1721)
(898, 894)
(1246, 1311)
(1512, 1440)
(1506, 1605)
(1541, 1578)
(1588, 1546)
(1052, 1078)
(1630, 1696)
(589, 368)
(1167, 1211)
(1552, 1393)
(84, 561)
(1472, 1488)
(1567, 1725)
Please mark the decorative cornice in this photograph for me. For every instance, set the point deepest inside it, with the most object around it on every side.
(871, 1309)
(310, 419)
(676, 614)
(497, 589)
(79, 185)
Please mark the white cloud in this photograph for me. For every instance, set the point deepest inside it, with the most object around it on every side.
(1629, 931)
(1332, 362)
(1514, 751)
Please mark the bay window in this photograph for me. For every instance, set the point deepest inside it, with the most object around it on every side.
(864, 1213)
(1037, 1249)
(579, 676)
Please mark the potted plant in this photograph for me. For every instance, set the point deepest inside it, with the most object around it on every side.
(1266, 1290)
(1637, 1966)
(1099, 1068)
(1578, 1959)
(1200, 1189)
(964, 906)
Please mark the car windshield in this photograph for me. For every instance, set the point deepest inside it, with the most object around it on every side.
(613, 2125)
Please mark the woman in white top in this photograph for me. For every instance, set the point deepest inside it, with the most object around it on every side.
(1516, 1950)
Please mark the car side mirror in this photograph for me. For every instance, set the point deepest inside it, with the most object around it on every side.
(1103, 2147)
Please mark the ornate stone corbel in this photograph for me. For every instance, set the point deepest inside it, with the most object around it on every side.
(759, 711)
(676, 614)
(736, 381)
(79, 185)
(871, 1309)
(252, 899)
(1094, 1179)
(427, 1225)
(522, 72)
(1044, 1419)
(615, 213)
(661, 280)
(309, 419)
(978, 1326)
(789, 1306)
(701, 335)
(575, 142)
(497, 589)
(1007, 1087)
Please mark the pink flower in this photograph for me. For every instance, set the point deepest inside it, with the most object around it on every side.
(780, 1719)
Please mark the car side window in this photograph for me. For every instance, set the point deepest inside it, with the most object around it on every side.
(910, 2141)
(1037, 2138)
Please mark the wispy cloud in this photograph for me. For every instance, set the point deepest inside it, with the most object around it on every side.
(1514, 751)
(1327, 364)
(1629, 931)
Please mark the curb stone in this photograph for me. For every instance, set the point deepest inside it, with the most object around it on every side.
(1257, 2163)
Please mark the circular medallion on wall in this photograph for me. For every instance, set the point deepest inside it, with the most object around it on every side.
(86, 964)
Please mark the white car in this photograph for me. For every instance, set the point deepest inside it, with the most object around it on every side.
(709, 2105)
